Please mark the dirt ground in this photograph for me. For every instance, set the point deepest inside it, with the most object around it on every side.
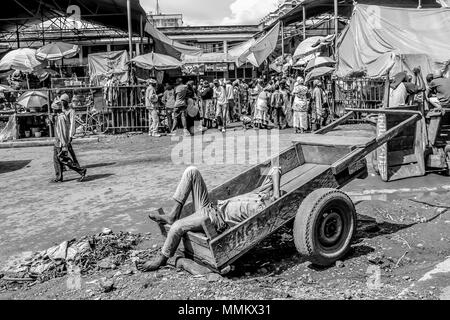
(402, 249)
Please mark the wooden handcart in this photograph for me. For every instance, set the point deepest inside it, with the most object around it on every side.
(314, 170)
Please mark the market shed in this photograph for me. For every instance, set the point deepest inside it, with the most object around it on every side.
(315, 8)
(108, 13)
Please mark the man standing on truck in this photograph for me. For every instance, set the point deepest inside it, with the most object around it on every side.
(404, 88)
(232, 211)
(439, 90)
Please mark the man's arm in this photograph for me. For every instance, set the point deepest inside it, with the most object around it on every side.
(59, 132)
(72, 129)
(147, 97)
(276, 177)
(418, 80)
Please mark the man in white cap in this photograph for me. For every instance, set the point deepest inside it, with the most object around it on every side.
(151, 100)
(69, 111)
(61, 155)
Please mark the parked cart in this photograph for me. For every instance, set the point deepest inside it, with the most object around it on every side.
(314, 170)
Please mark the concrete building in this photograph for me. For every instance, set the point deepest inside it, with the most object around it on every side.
(284, 6)
(215, 41)
(160, 20)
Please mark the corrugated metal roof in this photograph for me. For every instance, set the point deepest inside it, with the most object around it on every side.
(110, 13)
(345, 7)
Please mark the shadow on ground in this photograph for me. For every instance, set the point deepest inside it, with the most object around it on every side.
(278, 252)
(90, 178)
(368, 228)
(11, 166)
(99, 165)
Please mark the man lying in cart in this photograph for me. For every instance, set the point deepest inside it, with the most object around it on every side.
(221, 215)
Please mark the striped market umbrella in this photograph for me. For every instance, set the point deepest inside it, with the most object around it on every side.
(5, 88)
(32, 99)
(23, 59)
(320, 62)
(57, 51)
(318, 72)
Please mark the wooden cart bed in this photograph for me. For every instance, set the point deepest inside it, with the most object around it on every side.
(306, 166)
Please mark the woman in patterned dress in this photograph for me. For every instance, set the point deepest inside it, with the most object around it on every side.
(261, 118)
(300, 106)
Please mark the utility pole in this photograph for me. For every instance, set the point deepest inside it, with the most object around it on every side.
(336, 25)
(141, 33)
(18, 36)
(130, 30)
(282, 40)
(304, 22)
(158, 9)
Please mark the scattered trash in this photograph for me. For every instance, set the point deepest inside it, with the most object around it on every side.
(213, 277)
(106, 285)
(376, 258)
(102, 251)
(107, 231)
(107, 263)
(263, 271)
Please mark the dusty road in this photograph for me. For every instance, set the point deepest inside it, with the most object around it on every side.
(129, 175)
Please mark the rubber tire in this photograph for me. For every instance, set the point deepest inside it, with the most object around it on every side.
(306, 224)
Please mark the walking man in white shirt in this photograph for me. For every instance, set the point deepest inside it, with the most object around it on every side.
(220, 97)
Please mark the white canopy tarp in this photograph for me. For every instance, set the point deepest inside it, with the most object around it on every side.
(239, 52)
(312, 45)
(257, 51)
(106, 63)
(381, 39)
(156, 61)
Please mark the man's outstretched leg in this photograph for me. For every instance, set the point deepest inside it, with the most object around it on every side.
(191, 181)
(177, 231)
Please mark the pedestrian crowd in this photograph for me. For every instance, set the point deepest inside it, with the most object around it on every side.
(280, 102)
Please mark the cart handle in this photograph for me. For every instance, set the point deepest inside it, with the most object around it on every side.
(384, 111)
(364, 150)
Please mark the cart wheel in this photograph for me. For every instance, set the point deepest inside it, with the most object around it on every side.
(324, 226)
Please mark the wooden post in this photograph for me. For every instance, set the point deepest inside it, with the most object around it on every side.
(50, 126)
(18, 36)
(282, 40)
(142, 34)
(43, 29)
(304, 22)
(336, 25)
(130, 29)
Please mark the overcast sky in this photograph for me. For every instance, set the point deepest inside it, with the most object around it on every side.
(215, 12)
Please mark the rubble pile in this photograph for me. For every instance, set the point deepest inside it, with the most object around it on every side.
(88, 254)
